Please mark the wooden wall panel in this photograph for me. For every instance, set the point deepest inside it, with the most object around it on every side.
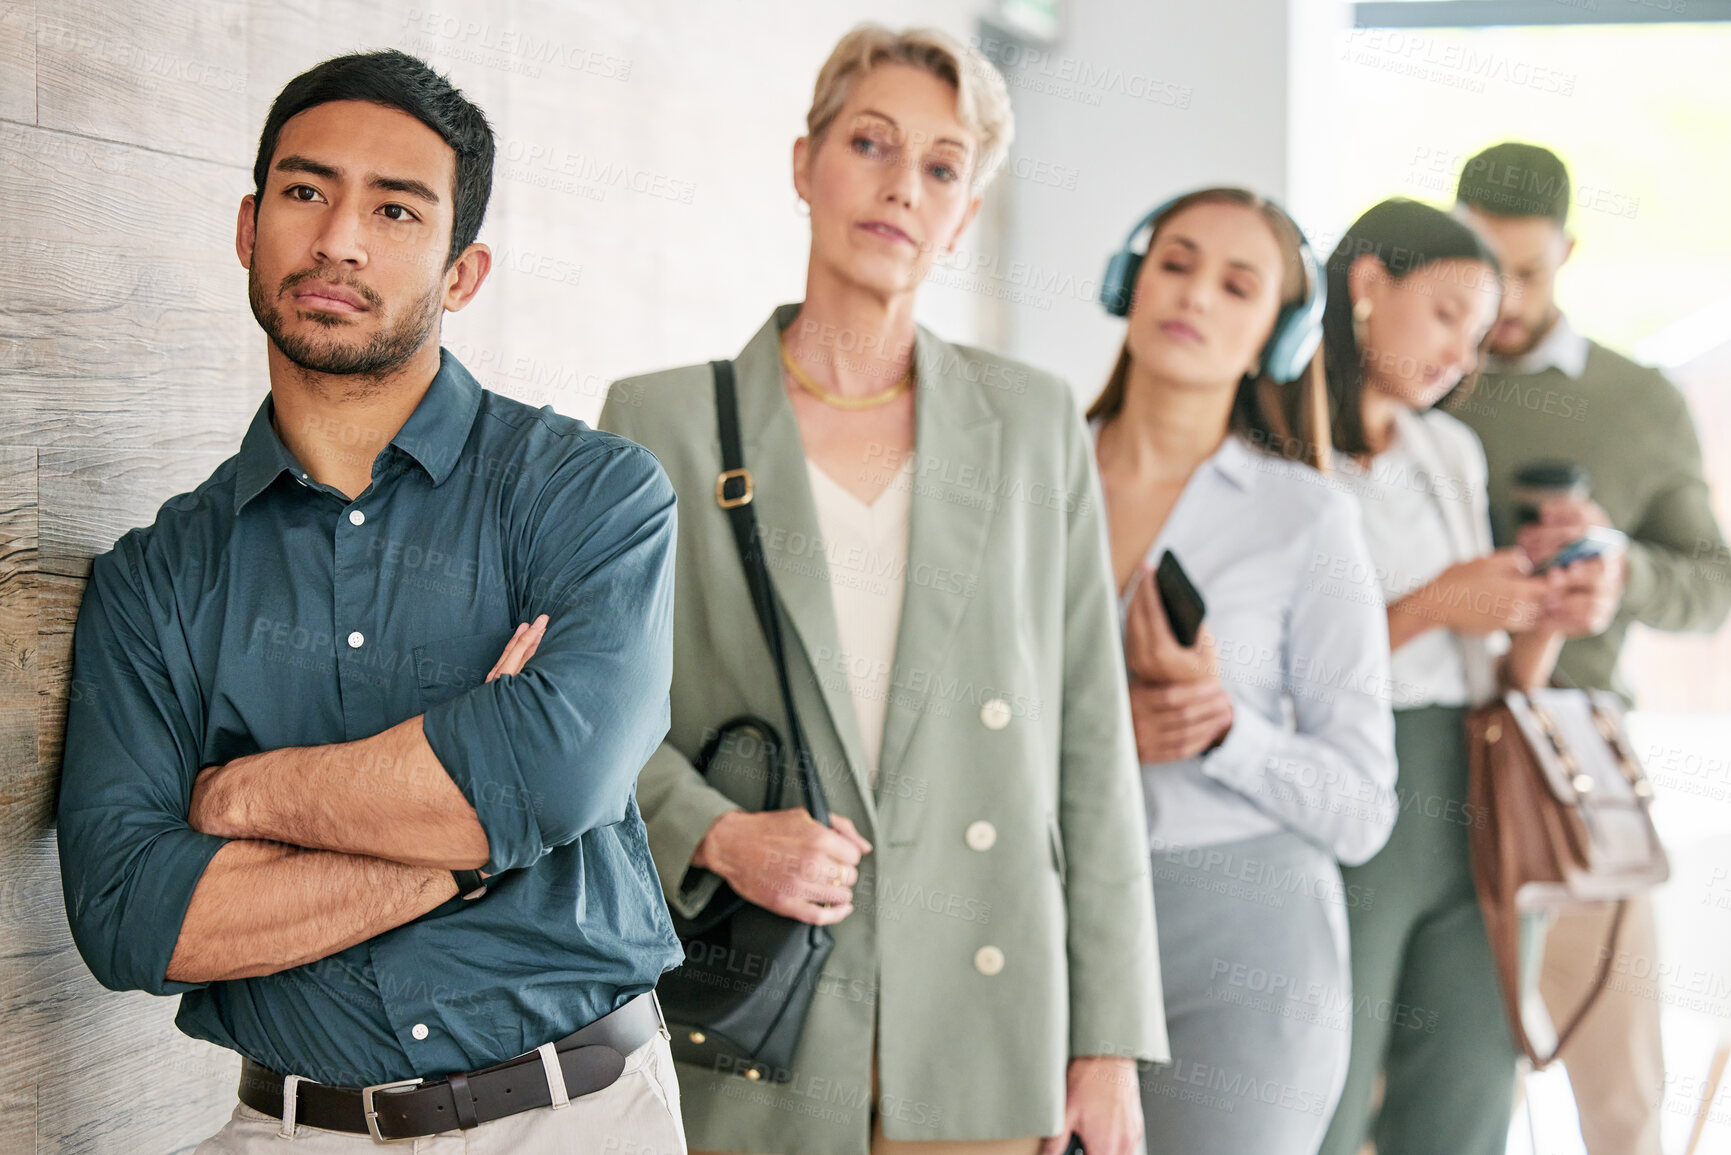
(123, 314)
(18, 61)
(24, 797)
(101, 1073)
(129, 366)
(165, 74)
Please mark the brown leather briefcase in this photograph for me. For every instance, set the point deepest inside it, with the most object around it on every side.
(1564, 806)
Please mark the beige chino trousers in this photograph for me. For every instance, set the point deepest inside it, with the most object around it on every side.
(1615, 1062)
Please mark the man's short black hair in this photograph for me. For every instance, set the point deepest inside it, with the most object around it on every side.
(1516, 180)
(397, 80)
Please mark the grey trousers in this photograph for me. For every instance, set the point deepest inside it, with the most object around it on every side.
(637, 1115)
(1258, 998)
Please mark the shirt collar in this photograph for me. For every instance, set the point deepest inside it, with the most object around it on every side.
(1562, 349)
(437, 430)
(1236, 461)
(263, 458)
(434, 434)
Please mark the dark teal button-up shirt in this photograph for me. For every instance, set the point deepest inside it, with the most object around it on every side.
(264, 610)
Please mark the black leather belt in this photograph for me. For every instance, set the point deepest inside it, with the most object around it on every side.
(590, 1059)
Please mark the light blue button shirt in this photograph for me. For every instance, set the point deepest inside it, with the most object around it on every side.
(1278, 553)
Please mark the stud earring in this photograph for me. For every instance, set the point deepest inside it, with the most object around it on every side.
(1360, 319)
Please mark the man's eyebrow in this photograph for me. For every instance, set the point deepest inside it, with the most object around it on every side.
(307, 165)
(399, 184)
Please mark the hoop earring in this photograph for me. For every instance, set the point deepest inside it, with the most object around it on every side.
(1360, 319)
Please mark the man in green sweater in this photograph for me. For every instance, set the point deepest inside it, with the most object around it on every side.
(1550, 395)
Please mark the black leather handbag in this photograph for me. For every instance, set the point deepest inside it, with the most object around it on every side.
(738, 1002)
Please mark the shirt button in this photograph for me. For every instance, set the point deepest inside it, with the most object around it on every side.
(356, 517)
(995, 714)
(981, 835)
(357, 640)
(988, 960)
(419, 1030)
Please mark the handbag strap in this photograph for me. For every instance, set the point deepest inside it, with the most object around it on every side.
(1600, 980)
(734, 493)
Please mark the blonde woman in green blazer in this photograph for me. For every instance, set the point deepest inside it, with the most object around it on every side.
(932, 526)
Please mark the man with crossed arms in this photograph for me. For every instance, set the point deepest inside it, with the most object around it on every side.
(315, 783)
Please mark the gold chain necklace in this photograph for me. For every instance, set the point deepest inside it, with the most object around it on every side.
(840, 400)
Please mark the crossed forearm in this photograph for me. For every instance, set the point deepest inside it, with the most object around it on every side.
(262, 907)
(384, 797)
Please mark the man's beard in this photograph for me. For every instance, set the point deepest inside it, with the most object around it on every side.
(372, 361)
(1530, 337)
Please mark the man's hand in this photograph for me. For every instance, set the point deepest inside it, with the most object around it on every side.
(520, 648)
(784, 861)
(1586, 597)
(1152, 651)
(1561, 520)
(1102, 1106)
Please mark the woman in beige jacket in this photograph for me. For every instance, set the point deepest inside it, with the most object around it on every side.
(932, 527)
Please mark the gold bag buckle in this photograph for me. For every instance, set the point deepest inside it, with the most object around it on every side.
(721, 497)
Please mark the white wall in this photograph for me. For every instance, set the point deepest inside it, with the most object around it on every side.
(1139, 102)
(643, 205)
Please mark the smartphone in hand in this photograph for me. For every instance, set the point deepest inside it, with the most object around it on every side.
(1178, 597)
(1596, 542)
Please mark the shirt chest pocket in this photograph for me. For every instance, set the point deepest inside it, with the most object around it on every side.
(452, 666)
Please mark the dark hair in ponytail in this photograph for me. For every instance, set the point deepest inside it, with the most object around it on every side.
(1405, 236)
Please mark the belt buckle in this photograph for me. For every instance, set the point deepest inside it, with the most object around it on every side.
(372, 1116)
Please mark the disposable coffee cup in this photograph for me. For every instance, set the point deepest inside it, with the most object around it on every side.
(1541, 481)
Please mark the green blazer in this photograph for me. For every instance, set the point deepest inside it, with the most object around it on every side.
(1004, 920)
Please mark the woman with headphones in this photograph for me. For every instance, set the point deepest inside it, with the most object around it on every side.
(1412, 293)
(1266, 744)
(930, 524)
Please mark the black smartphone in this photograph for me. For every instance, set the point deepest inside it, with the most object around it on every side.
(1178, 597)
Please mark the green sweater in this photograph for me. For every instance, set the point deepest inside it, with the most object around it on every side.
(1631, 430)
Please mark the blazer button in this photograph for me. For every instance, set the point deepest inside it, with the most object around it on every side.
(995, 714)
(988, 960)
(981, 835)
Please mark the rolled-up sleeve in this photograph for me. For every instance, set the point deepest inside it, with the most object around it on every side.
(1331, 777)
(553, 752)
(128, 860)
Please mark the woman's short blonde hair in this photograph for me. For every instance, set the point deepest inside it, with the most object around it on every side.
(982, 99)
